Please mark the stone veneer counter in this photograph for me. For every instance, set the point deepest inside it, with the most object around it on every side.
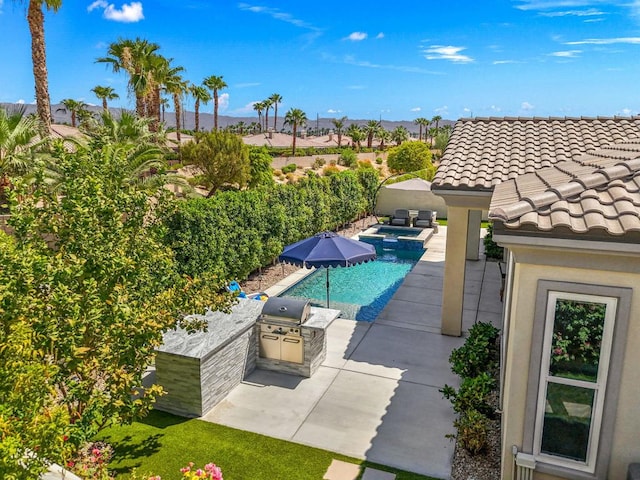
(198, 370)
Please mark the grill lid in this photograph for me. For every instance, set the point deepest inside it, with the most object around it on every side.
(292, 310)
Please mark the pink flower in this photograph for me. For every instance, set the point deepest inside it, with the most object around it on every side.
(185, 469)
(96, 451)
(70, 463)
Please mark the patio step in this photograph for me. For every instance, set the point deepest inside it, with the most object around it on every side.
(339, 470)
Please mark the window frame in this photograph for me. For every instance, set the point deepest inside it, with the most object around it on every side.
(601, 457)
(599, 386)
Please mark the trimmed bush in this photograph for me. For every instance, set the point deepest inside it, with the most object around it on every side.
(479, 353)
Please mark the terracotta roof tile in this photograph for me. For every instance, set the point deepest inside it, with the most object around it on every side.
(514, 146)
(596, 192)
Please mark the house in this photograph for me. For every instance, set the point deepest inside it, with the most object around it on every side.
(564, 197)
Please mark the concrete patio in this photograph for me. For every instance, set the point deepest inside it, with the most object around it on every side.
(376, 395)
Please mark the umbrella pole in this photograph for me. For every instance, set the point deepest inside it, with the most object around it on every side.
(327, 287)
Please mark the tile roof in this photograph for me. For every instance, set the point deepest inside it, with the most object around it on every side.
(595, 193)
(484, 152)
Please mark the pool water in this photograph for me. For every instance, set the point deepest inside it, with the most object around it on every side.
(396, 232)
(361, 291)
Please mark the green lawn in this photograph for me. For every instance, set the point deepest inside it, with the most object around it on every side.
(161, 444)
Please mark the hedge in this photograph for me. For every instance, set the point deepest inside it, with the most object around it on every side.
(236, 232)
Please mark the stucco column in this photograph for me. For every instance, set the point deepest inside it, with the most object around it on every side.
(454, 267)
(473, 235)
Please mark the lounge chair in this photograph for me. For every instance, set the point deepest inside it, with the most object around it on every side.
(400, 217)
(424, 219)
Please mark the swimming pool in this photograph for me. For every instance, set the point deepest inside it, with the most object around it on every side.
(399, 232)
(361, 291)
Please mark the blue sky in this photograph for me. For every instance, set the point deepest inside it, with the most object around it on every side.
(358, 59)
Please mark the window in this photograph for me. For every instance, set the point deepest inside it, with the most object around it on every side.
(577, 355)
(577, 341)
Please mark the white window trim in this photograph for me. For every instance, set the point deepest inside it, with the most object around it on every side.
(599, 387)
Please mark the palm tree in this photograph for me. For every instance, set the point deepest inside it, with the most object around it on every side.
(296, 118)
(435, 120)
(267, 105)
(74, 107)
(35, 17)
(17, 134)
(258, 107)
(275, 99)
(400, 134)
(338, 124)
(241, 126)
(384, 137)
(356, 134)
(422, 122)
(164, 103)
(432, 132)
(135, 58)
(201, 95)
(176, 86)
(371, 129)
(215, 84)
(104, 94)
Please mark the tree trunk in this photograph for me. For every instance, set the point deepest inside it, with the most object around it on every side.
(104, 104)
(215, 110)
(197, 114)
(295, 128)
(275, 117)
(35, 18)
(73, 118)
(176, 101)
(339, 139)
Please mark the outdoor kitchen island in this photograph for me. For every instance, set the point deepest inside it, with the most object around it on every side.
(198, 370)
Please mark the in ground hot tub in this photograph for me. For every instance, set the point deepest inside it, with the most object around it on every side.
(393, 237)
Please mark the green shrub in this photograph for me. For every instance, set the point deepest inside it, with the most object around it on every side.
(289, 168)
(330, 170)
(479, 353)
(491, 248)
(472, 395)
(379, 160)
(472, 429)
(348, 158)
(319, 162)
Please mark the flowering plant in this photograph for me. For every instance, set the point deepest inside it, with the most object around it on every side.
(210, 472)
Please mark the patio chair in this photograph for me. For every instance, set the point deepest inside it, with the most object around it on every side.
(424, 219)
(400, 217)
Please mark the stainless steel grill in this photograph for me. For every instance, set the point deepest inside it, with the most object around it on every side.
(280, 334)
(286, 310)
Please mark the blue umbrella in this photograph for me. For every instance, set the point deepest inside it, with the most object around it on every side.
(327, 249)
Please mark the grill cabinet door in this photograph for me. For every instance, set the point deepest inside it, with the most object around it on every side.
(292, 349)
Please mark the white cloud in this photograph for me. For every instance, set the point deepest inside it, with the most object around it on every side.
(590, 12)
(331, 110)
(247, 85)
(128, 13)
(1, 1)
(349, 60)
(449, 52)
(379, 36)
(20, 101)
(606, 41)
(355, 87)
(357, 36)
(526, 106)
(278, 15)
(101, 45)
(248, 108)
(444, 110)
(416, 109)
(504, 62)
(566, 53)
(223, 102)
(627, 112)
(495, 108)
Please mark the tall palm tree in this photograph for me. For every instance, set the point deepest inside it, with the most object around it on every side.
(371, 129)
(215, 84)
(241, 126)
(74, 107)
(275, 99)
(35, 17)
(338, 124)
(384, 135)
(135, 58)
(176, 86)
(201, 95)
(258, 107)
(422, 122)
(267, 105)
(104, 94)
(296, 118)
(436, 119)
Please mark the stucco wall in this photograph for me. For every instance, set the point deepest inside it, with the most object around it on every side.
(570, 266)
(389, 199)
